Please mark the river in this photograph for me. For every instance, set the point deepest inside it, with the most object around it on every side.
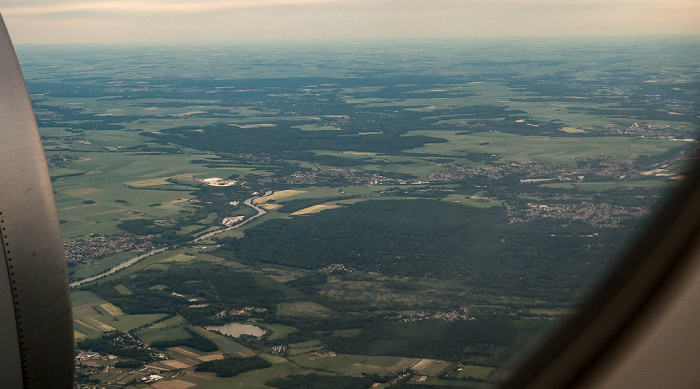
(248, 202)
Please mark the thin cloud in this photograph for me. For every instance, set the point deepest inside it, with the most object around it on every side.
(57, 21)
(153, 6)
(41, 7)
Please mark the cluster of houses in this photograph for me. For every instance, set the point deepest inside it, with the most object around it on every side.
(461, 314)
(98, 246)
(595, 214)
(328, 176)
(598, 166)
(241, 312)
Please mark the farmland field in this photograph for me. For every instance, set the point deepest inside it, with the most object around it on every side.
(391, 207)
(549, 150)
(354, 364)
(129, 322)
(480, 372)
(302, 309)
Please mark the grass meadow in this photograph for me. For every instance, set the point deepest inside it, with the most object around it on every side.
(547, 150)
(354, 364)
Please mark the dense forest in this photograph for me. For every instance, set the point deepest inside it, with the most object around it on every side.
(315, 381)
(231, 366)
(428, 238)
(488, 337)
(276, 141)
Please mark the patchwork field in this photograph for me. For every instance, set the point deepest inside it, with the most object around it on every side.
(93, 316)
(549, 150)
(427, 206)
(353, 364)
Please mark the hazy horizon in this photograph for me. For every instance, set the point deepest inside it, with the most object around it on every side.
(241, 21)
(382, 42)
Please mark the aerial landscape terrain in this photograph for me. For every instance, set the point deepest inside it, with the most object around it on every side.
(404, 214)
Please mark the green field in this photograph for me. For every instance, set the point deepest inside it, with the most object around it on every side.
(225, 343)
(269, 282)
(302, 309)
(91, 318)
(354, 364)
(126, 323)
(179, 258)
(173, 321)
(547, 150)
(123, 289)
(110, 172)
(436, 368)
(480, 372)
(279, 331)
(149, 335)
(255, 378)
(82, 297)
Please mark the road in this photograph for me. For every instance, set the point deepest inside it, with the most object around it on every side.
(123, 265)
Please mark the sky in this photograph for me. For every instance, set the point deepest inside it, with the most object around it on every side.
(249, 21)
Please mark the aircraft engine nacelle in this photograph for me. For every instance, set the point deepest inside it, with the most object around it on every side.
(36, 328)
